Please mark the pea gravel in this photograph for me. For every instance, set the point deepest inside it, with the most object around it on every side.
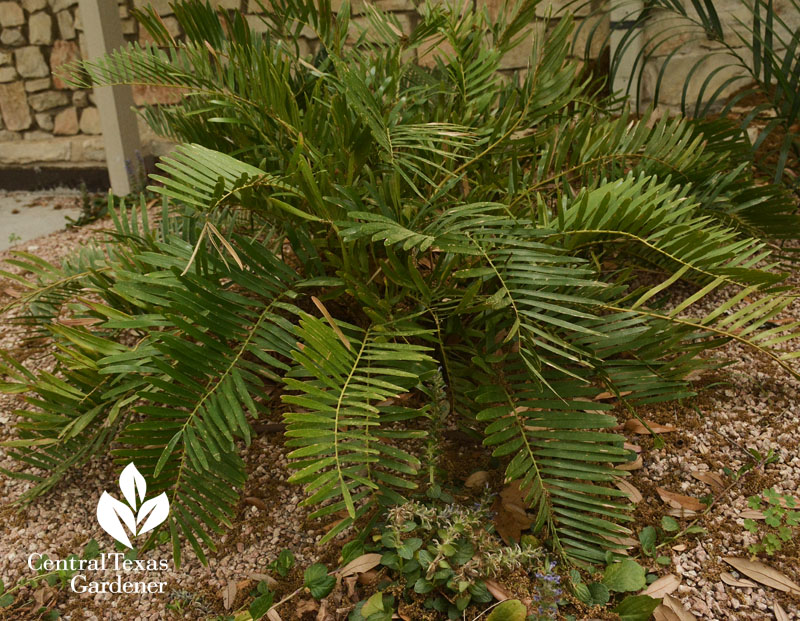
(750, 405)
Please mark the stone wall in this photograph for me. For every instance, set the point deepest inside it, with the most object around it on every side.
(693, 46)
(44, 122)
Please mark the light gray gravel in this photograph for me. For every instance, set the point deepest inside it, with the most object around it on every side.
(757, 407)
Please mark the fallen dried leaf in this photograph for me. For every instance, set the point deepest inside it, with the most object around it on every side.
(628, 542)
(664, 613)
(680, 547)
(273, 615)
(716, 482)
(752, 514)
(671, 609)
(368, 577)
(229, 594)
(476, 479)
(350, 584)
(665, 585)
(499, 592)
(631, 465)
(764, 574)
(780, 613)
(633, 425)
(44, 595)
(304, 606)
(634, 494)
(359, 565)
(679, 501)
(681, 512)
(731, 580)
(632, 447)
(511, 516)
(255, 502)
(271, 582)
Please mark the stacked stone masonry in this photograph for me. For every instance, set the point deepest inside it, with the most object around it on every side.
(45, 121)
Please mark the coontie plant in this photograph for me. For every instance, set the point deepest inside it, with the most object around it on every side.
(341, 228)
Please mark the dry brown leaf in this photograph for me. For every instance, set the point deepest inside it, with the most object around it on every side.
(665, 585)
(476, 479)
(716, 482)
(633, 425)
(323, 615)
(44, 595)
(500, 593)
(255, 502)
(511, 516)
(664, 613)
(334, 326)
(273, 615)
(368, 577)
(359, 565)
(681, 512)
(780, 613)
(680, 547)
(731, 580)
(631, 465)
(634, 495)
(350, 585)
(229, 594)
(304, 606)
(679, 501)
(783, 321)
(271, 582)
(759, 515)
(610, 395)
(752, 514)
(764, 574)
(632, 447)
(674, 604)
(628, 542)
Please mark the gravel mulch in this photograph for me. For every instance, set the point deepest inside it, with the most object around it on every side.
(748, 405)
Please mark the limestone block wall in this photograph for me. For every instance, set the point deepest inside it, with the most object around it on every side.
(44, 122)
(692, 46)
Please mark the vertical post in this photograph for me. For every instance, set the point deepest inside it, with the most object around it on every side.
(103, 30)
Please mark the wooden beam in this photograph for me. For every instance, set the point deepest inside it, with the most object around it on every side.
(103, 30)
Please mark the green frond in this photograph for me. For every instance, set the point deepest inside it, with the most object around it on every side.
(345, 448)
(563, 458)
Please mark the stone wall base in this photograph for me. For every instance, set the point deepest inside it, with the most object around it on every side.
(69, 161)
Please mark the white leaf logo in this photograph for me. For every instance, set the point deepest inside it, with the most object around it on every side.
(112, 514)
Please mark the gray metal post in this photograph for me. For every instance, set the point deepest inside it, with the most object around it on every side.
(103, 30)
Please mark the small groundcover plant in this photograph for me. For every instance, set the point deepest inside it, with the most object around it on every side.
(343, 227)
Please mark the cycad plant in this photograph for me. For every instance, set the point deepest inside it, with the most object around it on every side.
(359, 242)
